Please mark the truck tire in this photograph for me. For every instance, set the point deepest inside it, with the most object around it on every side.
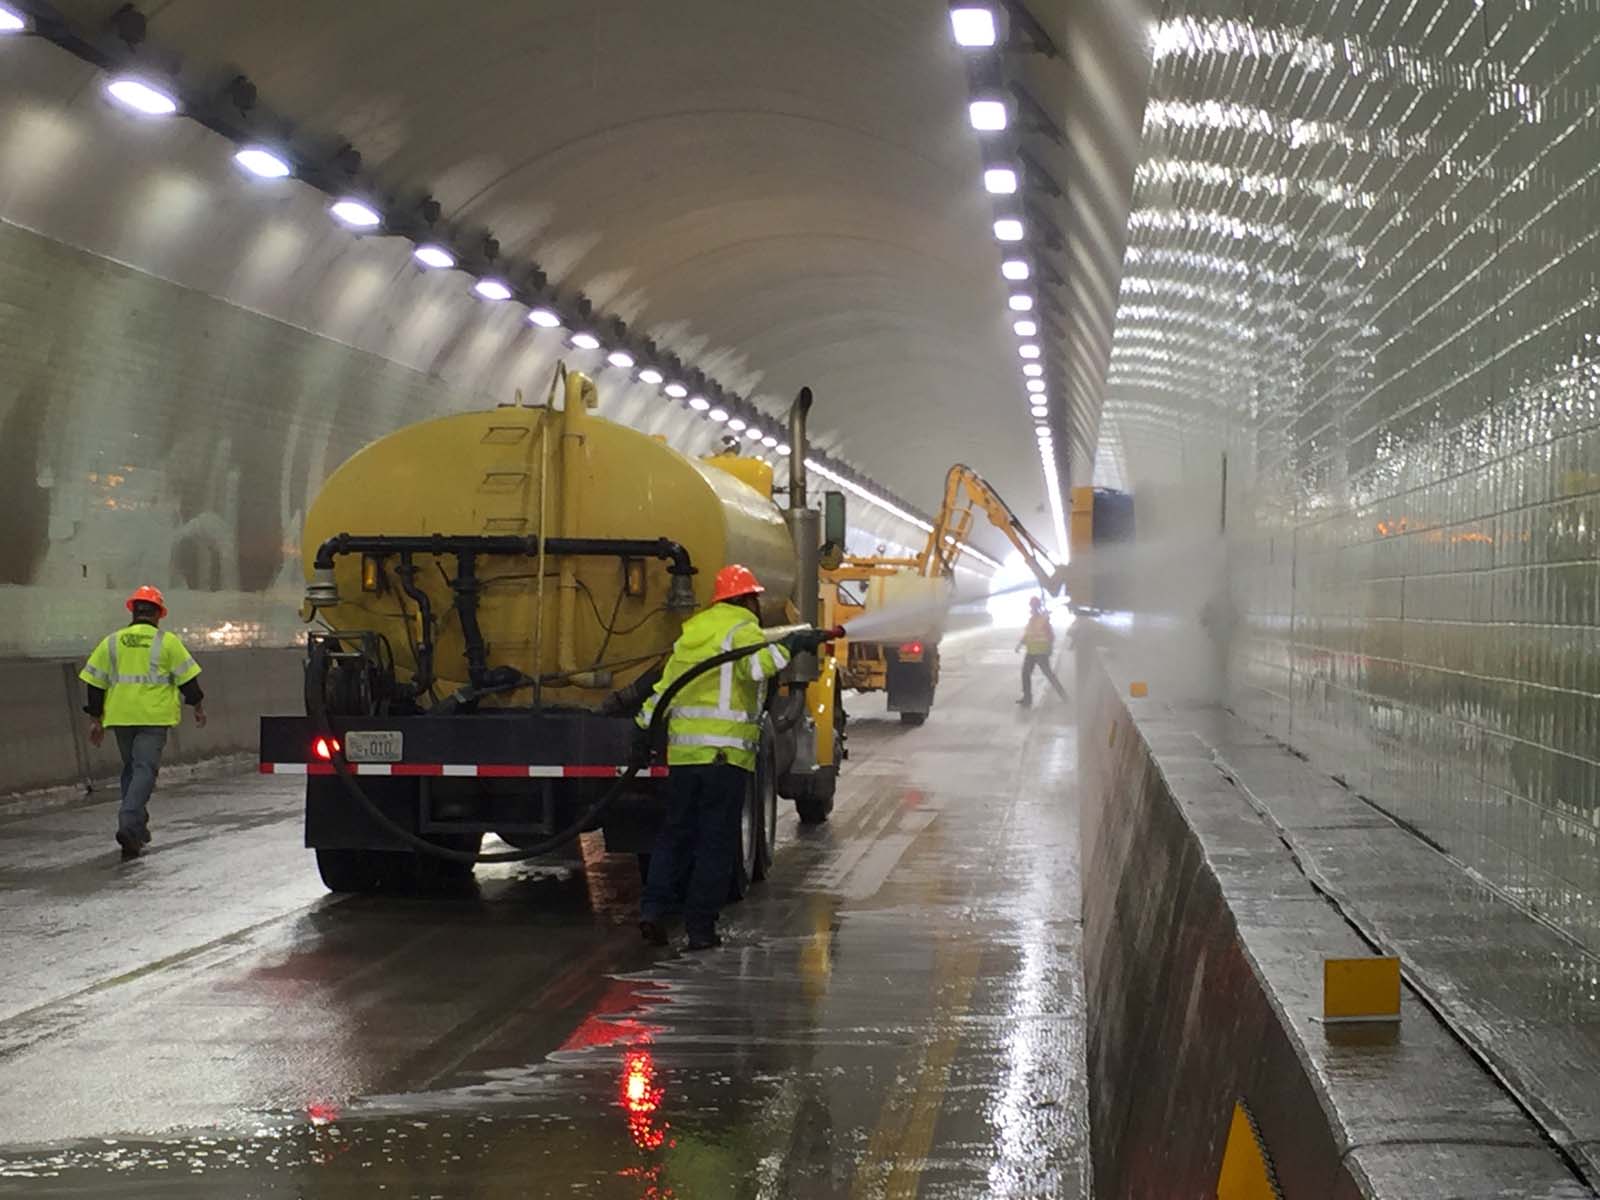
(766, 801)
(744, 865)
(913, 718)
(430, 874)
(349, 871)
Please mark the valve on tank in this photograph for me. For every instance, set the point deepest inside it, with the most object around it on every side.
(322, 591)
(680, 594)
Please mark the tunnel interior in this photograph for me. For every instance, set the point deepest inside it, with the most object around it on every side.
(1313, 283)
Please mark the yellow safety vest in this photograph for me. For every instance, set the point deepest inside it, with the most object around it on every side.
(717, 713)
(140, 668)
(1038, 637)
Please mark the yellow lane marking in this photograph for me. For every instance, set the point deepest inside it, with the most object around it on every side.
(892, 1166)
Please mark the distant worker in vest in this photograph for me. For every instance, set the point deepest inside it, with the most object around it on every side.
(135, 678)
(713, 730)
(1038, 643)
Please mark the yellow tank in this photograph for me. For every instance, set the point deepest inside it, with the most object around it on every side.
(556, 472)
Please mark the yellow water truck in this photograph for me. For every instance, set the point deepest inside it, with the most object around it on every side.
(494, 591)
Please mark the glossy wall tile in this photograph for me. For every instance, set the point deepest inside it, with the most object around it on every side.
(1365, 263)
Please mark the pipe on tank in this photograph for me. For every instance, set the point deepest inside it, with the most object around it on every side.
(805, 528)
(798, 413)
(574, 415)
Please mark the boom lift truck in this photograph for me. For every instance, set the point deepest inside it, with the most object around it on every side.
(921, 588)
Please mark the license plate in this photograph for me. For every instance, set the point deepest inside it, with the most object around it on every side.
(373, 745)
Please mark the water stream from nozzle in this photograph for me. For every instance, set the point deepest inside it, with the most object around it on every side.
(923, 620)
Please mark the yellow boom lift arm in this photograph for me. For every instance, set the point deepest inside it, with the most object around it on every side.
(965, 494)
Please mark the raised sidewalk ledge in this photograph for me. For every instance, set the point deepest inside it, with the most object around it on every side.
(1220, 871)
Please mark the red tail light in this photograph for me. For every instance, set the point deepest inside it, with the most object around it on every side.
(910, 651)
(326, 748)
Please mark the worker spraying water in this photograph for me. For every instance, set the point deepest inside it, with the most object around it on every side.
(713, 736)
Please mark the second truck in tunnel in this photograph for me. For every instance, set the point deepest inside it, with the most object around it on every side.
(487, 582)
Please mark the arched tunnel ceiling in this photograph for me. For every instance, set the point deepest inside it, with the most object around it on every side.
(783, 194)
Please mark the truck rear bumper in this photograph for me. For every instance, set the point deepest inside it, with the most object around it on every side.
(514, 774)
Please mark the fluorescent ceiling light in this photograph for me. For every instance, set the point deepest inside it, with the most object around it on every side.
(698, 403)
(676, 390)
(1021, 302)
(753, 434)
(1028, 350)
(716, 414)
(1033, 369)
(544, 318)
(1008, 229)
(769, 441)
(736, 424)
(620, 358)
(973, 26)
(1039, 410)
(585, 341)
(1036, 385)
(1000, 181)
(492, 289)
(262, 163)
(650, 375)
(1016, 269)
(988, 116)
(436, 257)
(355, 214)
(141, 97)
(11, 22)
(1025, 328)
(783, 449)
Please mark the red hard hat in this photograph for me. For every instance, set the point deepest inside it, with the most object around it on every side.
(734, 581)
(1036, 604)
(148, 595)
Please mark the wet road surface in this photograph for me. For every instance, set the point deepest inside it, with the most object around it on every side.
(896, 1013)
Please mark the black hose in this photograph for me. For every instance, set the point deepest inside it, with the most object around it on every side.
(555, 841)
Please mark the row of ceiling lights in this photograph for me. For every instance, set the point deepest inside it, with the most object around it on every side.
(979, 29)
(145, 97)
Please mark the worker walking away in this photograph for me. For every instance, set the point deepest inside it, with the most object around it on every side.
(713, 730)
(1038, 643)
(135, 678)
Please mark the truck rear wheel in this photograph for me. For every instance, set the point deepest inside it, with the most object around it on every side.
(913, 718)
(349, 871)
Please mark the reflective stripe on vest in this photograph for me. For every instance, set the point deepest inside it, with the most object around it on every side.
(712, 739)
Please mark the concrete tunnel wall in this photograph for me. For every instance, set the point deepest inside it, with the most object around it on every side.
(1203, 944)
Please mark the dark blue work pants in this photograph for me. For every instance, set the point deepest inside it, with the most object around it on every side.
(141, 747)
(697, 847)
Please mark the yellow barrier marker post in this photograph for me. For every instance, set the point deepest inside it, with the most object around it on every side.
(1138, 690)
(1246, 1170)
(1360, 989)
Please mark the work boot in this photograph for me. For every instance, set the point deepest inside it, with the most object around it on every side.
(653, 932)
(130, 845)
(704, 941)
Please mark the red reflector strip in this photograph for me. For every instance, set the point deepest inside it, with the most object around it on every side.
(465, 770)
